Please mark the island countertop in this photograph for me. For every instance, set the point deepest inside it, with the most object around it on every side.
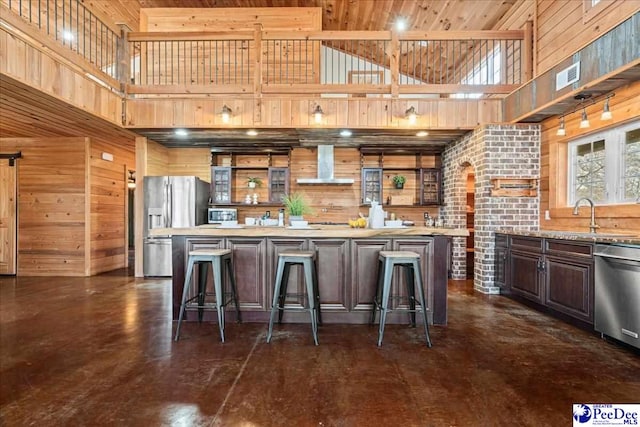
(314, 231)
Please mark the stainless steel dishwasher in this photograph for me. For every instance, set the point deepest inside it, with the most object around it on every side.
(617, 292)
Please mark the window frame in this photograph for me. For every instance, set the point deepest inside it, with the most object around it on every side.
(614, 163)
(590, 10)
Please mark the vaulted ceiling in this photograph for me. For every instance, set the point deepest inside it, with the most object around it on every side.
(348, 15)
(28, 116)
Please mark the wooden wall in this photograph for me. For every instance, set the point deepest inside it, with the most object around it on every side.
(45, 72)
(71, 205)
(230, 19)
(553, 173)
(297, 112)
(8, 220)
(561, 29)
(190, 161)
(109, 206)
(53, 215)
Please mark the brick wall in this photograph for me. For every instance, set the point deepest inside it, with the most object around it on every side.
(493, 151)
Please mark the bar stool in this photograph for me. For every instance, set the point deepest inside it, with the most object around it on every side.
(410, 262)
(285, 260)
(215, 257)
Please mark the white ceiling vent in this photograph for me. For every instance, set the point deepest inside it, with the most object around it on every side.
(567, 76)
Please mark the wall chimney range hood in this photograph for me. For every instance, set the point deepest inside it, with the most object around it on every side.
(325, 169)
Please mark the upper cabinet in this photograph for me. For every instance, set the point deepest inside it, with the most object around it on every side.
(241, 177)
(400, 177)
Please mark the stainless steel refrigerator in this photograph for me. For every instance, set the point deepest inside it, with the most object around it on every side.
(170, 201)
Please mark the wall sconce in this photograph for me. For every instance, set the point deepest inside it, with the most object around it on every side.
(131, 179)
(226, 114)
(411, 115)
(606, 113)
(318, 114)
(561, 130)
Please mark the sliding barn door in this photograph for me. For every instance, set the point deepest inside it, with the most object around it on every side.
(8, 218)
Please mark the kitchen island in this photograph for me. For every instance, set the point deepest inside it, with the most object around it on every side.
(346, 259)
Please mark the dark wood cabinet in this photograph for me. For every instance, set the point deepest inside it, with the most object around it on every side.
(332, 261)
(430, 186)
(555, 274)
(500, 263)
(249, 255)
(569, 278)
(220, 184)
(371, 185)
(278, 184)
(296, 277)
(364, 270)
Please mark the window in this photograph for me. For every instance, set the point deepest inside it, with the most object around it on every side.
(592, 8)
(606, 166)
(485, 73)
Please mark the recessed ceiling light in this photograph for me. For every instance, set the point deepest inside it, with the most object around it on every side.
(345, 133)
(181, 132)
(401, 24)
(68, 35)
(422, 133)
(252, 132)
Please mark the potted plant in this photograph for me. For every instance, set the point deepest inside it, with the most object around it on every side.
(296, 205)
(253, 182)
(399, 181)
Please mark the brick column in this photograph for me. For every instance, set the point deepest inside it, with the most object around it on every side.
(493, 151)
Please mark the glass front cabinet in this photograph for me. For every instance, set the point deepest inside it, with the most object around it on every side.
(371, 185)
(221, 184)
(430, 186)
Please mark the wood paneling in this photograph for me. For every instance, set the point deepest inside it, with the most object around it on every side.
(71, 204)
(190, 161)
(8, 220)
(51, 205)
(553, 169)
(297, 113)
(556, 19)
(45, 73)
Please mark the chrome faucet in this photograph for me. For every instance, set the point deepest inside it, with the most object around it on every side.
(593, 225)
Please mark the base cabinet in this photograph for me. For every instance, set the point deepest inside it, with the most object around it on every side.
(555, 274)
(347, 274)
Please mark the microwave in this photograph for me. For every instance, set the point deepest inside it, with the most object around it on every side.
(217, 215)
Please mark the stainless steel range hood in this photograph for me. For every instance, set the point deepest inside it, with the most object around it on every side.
(325, 169)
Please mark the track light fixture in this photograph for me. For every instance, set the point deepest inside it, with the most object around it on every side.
(584, 120)
(582, 107)
(411, 115)
(318, 114)
(226, 114)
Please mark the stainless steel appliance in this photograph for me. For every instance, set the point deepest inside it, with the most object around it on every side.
(170, 201)
(217, 215)
(617, 292)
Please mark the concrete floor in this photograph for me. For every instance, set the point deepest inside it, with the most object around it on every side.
(98, 351)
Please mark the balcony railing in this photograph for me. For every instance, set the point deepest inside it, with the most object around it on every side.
(332, 62)
(327, 63)
(73, 26)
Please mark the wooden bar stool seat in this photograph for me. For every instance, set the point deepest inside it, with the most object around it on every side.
(216, 258)
(410, 262)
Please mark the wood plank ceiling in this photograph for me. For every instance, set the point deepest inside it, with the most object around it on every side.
(25, 113)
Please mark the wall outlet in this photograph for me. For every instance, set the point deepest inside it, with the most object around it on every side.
(547, 215)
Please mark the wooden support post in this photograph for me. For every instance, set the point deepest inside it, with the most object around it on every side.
(124, 58)
(394, 64)
(527, 52)
(257, 77)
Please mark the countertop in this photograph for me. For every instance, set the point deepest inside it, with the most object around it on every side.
(319, 231)
(603, 237)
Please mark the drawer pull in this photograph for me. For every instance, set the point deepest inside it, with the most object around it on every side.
(630, 333)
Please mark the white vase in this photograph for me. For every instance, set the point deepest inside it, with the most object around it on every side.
(295, 218)
(251, 184)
